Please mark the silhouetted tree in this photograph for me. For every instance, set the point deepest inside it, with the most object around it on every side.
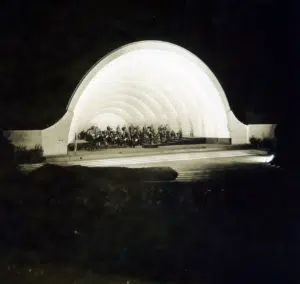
(287, 142)
(6, 154)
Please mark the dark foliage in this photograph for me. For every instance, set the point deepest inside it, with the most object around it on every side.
(255, 141)
(268, 143)
(265, 143)
(6, 148)
(6, 155)
(287, 142)
(29, 156)
(220, 230)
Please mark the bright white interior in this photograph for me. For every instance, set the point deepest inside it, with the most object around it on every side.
(102, 119)
(152, 86)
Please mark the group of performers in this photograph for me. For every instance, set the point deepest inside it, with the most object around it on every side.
(130, 136)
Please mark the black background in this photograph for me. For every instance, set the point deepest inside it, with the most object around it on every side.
(48, 46)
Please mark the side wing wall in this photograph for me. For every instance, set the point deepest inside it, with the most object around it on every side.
(238, 130)
(261, 130)
(55, 138)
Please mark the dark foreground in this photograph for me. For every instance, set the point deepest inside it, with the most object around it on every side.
(83, 225)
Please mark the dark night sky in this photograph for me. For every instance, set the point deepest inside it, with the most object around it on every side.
(46, 48)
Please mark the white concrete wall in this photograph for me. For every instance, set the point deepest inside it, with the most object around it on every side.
(24, 138)
(55, 137)
(238, 130)
(261, 130)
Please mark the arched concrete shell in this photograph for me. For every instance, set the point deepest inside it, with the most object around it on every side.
(150, 82)
(153, 82)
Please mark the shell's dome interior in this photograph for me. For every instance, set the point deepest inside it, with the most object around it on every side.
(152, 86)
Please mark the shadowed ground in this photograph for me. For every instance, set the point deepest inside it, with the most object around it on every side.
(239, 224)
